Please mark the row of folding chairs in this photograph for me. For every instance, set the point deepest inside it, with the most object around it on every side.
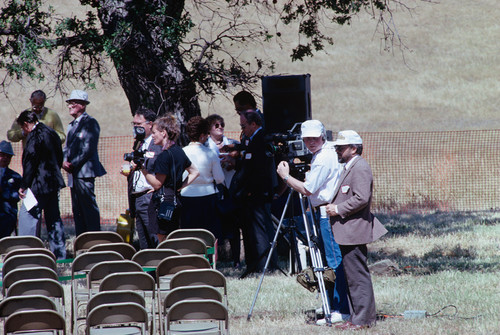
(33, 298)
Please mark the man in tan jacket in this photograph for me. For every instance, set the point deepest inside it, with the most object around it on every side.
(354, 226)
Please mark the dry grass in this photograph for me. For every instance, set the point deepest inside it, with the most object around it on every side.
(449, 81)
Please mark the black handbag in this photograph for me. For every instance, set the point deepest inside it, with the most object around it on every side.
(167, 208)
(225, 204)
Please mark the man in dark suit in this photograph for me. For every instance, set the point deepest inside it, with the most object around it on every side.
(139, 190)
(81, 161)
(354, 226)
(42, 160)
(10, 182)
(253, 187)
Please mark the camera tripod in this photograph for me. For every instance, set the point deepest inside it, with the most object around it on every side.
(314, 253)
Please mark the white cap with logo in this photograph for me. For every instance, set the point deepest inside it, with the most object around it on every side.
(346, 137)
(312, 128)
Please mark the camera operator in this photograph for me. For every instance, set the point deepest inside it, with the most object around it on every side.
(319, 186)
(139, 190)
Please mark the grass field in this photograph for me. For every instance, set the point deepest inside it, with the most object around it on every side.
(448, 79)
(446, 260)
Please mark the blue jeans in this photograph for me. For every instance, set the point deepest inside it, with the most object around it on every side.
(333, 256)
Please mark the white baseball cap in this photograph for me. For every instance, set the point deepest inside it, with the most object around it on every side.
(79, 95)
(346, 137)
(312, 128)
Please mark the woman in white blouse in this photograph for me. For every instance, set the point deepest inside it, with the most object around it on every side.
(199, 198)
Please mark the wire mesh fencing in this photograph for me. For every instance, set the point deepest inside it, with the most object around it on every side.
(414, 172)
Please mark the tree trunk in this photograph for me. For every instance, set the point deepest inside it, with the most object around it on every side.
(146, 55)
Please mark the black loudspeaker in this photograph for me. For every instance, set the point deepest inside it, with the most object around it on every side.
(286, 100)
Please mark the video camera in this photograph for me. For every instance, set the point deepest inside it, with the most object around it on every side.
(290, 147)
(137, 156)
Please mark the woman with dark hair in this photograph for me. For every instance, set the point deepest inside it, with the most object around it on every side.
(199, 198)
(227, 213)
(172, 161)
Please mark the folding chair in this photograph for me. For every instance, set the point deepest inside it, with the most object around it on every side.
(37, 320)
(11, 305)
(113, 297)
(136, 281)
(29, 251)
(185, 245)
(27, 273)
(150, 258)
(10, 243)
(79, 269)
(46, 287)
(118, 318)
(197, 292)
(202, 316)
(197, 277)
(84, 241)
(172, 265)
(28, 261)
(125, 249)
(203, 234)
(102, 269)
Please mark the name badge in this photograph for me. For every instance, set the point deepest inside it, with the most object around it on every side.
(345, 189)
(149, 154)
(248, 155)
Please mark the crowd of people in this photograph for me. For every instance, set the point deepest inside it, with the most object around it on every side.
(224, 185)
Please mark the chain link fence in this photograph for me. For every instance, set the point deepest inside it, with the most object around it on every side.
(414, 172)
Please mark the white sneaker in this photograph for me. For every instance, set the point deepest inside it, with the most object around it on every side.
(335, 317)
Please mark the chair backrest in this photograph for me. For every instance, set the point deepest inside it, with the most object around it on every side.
(102, 269)
(36, 320)
(127, 281)
(118, 314)
(84, 262)
(27, 273)
(29, 251)
(47, 287)
(175, 264)
(185, 245)
(10, 243)
(84, 241)
(202, 234)
(191, 293)
(153, 257)
(192, 310)
(196, 277)
(113, 297)
(125, 249)
(15, 304)
(28, 261)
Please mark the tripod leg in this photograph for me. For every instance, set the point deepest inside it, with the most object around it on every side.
(273, 246)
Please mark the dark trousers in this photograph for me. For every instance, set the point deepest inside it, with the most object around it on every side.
(258, 232)
(359, 284)
(147, 239)
(200, 212)
(85, 210)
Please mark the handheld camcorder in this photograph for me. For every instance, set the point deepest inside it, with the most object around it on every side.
(137, 156)
(290, 147)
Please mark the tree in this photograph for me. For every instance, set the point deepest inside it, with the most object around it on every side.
(167, 52)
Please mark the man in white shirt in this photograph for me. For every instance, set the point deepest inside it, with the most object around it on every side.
(139, 190)
(319, 186)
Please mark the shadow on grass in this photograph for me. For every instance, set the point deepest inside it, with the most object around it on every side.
(439, 258)
(435, 224)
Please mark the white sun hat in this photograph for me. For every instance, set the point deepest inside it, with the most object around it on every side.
(79, 95)
(312, 128)
(346, 137)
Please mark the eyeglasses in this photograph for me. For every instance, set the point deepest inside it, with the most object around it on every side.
(341, 148)
(72, 103)
(137, 124)
(221, 125)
